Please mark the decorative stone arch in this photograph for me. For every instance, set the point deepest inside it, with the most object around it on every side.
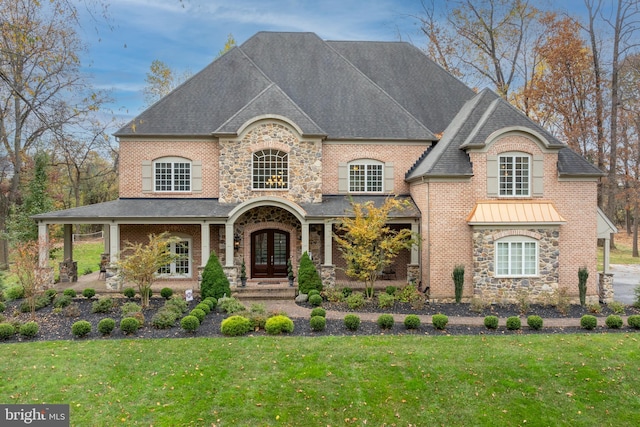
(250, 228)
(256, 121)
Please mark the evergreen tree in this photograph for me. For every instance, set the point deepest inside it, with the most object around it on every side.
(308, 277)
(214, 281)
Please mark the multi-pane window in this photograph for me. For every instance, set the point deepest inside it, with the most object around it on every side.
(514, 175)
(270, 170)
(181, 266)
(516, 258)
(172, 176)
(365, 177)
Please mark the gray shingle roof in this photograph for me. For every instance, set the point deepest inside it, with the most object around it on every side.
(363, 90)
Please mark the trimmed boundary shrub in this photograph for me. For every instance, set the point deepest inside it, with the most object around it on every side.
(129, 325)
(385, 321)
(129, 292)
(319, 311)
(315, 300)
(7, 330)
(514, 323)
(439, 321)
(535, 322)
(81, 328)
(204, 307)
(199, 314)
(166, 293)
(278, 324)
(588, 321)
(613, 321)
(352, 322)
(412, 321)
(106, 326)
(190, 323)
(89, 293)
(318, 323)
(491, 322)
(69, 292)
(235, 326)
(634, 321)
(29, 329)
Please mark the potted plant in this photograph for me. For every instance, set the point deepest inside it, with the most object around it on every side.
(243, 274)
(290, 272)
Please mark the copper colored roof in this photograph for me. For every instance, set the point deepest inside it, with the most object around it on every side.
(514, 212)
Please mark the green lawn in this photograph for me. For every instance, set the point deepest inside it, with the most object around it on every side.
(620, 255)
(532, 380)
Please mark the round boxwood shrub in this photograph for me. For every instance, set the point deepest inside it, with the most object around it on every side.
(319, 311)
(81, 328)
(534, 322)
(513, 323)
(385, 321)
(278, 324)
(235, 326)
(2, 307)
(439, 321)
(412, 321)
(190, 323)
(318, 323)
(314, 292)
(106, 326)
(166, 293)
(352, 322)
(89, 293)
(634, 321)
(129, 325)
(588, 321)
(315, 300)
(7, 330)
(199, 314)
(204, 307)
(129, 292)
(491, 322)
(613, 321)
(29, 329)
(211, 302)
(69, 292)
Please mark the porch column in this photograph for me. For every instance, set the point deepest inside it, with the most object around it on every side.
(68, 243)
(43, 239)
(114, 242)
(328, 243)
(228, 245)
(607, 255)
(106, 235)
(415, 249)
(305, 237)
(205, 243)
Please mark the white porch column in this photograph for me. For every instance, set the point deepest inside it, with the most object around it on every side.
(415, 249)
(607, 256)
(328, 243)
(114, 242)
(43, 239)
(228, 245)
(107, 238)
(68, 243)
(205, 243)
(305, 237)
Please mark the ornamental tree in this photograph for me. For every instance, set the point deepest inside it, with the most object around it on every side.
(368, 244)
(141, 262)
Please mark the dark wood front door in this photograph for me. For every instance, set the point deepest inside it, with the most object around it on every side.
(269, 253)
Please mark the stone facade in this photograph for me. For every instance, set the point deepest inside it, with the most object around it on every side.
(488, 287)
(606, 287)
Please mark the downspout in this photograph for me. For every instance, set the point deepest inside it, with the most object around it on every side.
(428, 234)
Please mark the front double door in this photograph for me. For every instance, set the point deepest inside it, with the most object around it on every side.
(269, 253)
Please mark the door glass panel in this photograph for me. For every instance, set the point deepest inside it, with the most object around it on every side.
(279, 248)
(261, 252)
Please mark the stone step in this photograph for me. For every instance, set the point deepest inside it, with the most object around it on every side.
(262, 292)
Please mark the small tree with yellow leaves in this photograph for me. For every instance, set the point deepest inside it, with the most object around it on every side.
(33, 278)
(368, 244)
(140, 263)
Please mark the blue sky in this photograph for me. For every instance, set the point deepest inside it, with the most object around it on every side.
(188, 35)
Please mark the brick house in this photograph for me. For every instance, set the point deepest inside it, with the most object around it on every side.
(257, 155)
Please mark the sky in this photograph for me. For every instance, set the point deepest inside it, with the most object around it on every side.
(187, 35)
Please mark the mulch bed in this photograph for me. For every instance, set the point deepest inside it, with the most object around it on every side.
(57, 325)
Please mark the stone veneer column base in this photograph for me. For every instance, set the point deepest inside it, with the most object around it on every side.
(328, 276)
(605, 281)
(413, 274)
(232, 275)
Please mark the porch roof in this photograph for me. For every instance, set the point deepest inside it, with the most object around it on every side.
(196, 210)
(498, 212)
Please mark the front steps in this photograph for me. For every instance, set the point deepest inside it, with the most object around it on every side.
(265, 290)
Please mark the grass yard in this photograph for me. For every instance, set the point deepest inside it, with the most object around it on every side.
(622, 253)
(533, 380)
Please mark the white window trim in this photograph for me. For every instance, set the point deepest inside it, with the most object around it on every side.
(511, 240)
(172, 265)
(285, 186)
(512, 155)
(172, 161)
(365, 162)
